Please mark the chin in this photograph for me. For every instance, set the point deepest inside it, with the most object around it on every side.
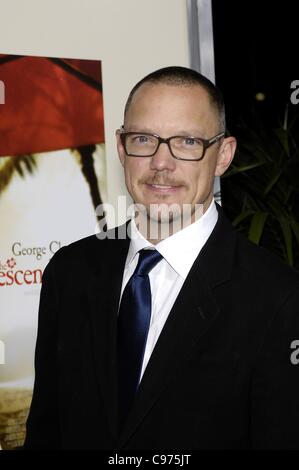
(164, 213)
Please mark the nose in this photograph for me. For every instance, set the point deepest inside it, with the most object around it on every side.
(163, 160)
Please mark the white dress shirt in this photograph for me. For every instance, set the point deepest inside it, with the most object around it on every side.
(179, 252)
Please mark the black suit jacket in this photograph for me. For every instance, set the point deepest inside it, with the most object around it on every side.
(220, 377)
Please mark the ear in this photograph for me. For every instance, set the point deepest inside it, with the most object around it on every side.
(225, 155)
(120, 148)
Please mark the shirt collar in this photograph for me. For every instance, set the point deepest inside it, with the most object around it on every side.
(137, 243)
(181, 249)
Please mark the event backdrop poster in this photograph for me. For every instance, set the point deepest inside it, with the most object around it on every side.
(52, 177)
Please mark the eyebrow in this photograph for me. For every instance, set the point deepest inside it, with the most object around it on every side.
(151, 131)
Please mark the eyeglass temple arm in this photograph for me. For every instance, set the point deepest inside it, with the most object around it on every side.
(217, 137)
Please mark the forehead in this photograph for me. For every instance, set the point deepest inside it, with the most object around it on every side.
(162, 105)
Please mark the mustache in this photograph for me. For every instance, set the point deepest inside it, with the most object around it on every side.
(162, 181)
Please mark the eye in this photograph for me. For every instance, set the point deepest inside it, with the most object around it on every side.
(140, 139)
(190, 141)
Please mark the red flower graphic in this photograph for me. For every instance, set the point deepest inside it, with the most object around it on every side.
(11, 263)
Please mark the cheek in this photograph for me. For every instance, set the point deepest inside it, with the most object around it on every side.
(134, 169)
(201, 179)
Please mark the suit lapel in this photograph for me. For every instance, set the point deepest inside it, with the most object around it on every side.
(192, 315)
(103, 294)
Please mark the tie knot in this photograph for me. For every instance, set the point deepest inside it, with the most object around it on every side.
(147, 261)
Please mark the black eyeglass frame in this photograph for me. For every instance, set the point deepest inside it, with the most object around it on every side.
(205, 142)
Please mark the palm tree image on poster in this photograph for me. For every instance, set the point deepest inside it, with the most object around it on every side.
(40, 115)
(52, 177)
(22, 164)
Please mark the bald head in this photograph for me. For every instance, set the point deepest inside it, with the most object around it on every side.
(185, 77)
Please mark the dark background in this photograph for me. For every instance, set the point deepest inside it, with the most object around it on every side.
(256, 51)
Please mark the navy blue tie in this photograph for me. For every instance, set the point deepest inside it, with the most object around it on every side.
(133, 324)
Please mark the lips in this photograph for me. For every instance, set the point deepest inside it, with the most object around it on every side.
(162, 188)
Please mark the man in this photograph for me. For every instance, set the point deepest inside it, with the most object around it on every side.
(193, 349)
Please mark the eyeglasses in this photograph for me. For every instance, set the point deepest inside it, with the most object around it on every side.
(181, 147)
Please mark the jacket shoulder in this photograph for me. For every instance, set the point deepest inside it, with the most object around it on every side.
(263, 264)
(90, 249)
